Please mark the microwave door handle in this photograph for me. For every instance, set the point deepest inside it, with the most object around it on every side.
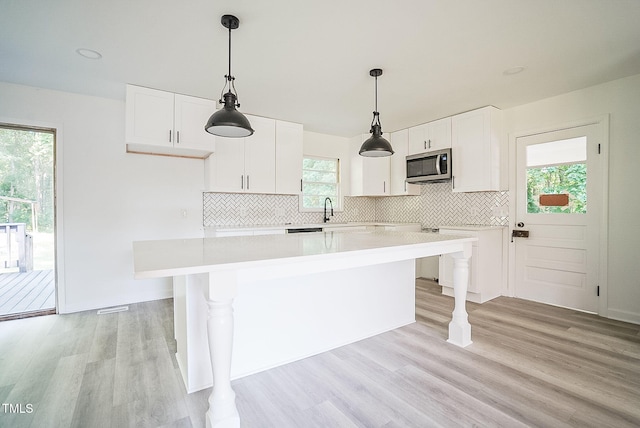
(438, 164)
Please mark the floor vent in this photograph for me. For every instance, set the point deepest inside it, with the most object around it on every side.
(113, 310)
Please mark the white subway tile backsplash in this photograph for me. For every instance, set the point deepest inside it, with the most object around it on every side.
(436, 205)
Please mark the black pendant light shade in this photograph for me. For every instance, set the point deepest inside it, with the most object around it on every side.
(376, 145)
(229, 122)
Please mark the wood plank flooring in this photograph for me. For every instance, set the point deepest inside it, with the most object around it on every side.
(530, 365)
(27, 291)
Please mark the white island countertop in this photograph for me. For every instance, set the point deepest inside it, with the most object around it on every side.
(323, 289)
(162, 258)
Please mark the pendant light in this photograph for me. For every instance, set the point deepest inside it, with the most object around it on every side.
(376, 145)
(229, 122)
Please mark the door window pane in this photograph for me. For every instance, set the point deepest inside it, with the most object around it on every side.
(557, 177)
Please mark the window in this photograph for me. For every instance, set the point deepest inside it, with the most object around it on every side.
(557, 177)
(320, 180)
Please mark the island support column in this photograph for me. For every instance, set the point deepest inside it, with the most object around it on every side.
(222, 289)
(459, 327)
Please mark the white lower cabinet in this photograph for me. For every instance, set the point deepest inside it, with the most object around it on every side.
(486, 270)
(428, 267)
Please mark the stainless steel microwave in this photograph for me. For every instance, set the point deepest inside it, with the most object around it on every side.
(429, 166)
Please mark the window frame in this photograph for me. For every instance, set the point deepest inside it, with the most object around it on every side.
(338, 202)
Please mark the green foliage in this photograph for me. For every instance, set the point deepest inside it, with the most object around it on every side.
(561, 179)
(26, 172)
(320, 180)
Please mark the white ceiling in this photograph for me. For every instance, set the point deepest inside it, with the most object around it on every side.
(309, 61)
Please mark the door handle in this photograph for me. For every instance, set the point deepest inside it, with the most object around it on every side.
(519, 234)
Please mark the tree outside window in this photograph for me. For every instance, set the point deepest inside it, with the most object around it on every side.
(320, 180)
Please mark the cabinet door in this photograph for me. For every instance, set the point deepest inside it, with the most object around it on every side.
(376, 173)
(149, 116)
(288, 157)
(225, 168)
(260, 156)
(399, 186)
(469, 152)
(191, 114)
(434, 135)
(446, 271)
(418, 136)
(476, 151)
(369, 176)
(439, 134)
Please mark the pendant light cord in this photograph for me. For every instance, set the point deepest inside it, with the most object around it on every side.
(376, 115)
(229, 79)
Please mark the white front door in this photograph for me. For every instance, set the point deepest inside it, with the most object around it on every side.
(559, 179)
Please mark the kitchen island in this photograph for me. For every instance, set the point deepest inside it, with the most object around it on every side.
(294, 296)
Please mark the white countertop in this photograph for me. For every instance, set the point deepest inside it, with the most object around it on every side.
(162, 258)
(300, 225)
(470, 227)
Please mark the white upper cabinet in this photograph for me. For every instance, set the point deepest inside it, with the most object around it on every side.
(434, 135)
(399, 186)
(159, 122)
(478, 151)
(191, 115)
(260, 156)
(370, 176)
(288, 157)
(245, 164)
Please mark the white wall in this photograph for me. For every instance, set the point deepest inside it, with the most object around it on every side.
(108, 198)
(621, 100)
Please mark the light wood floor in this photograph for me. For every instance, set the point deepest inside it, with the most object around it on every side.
(530, 365)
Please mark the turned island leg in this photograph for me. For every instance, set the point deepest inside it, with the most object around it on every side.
(222, 412)
(459, 327)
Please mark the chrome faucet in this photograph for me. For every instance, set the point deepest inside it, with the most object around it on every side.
(326, 219)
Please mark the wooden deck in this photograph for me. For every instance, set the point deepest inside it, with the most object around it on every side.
(27, 292)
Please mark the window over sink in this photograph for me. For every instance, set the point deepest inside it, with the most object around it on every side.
(320, 180)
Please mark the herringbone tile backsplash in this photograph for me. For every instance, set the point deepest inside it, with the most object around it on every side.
(437, 205)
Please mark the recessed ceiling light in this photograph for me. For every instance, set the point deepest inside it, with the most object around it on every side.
(88, 53)
(513, 70)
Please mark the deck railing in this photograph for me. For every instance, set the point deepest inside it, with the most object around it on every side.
(16, 249)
